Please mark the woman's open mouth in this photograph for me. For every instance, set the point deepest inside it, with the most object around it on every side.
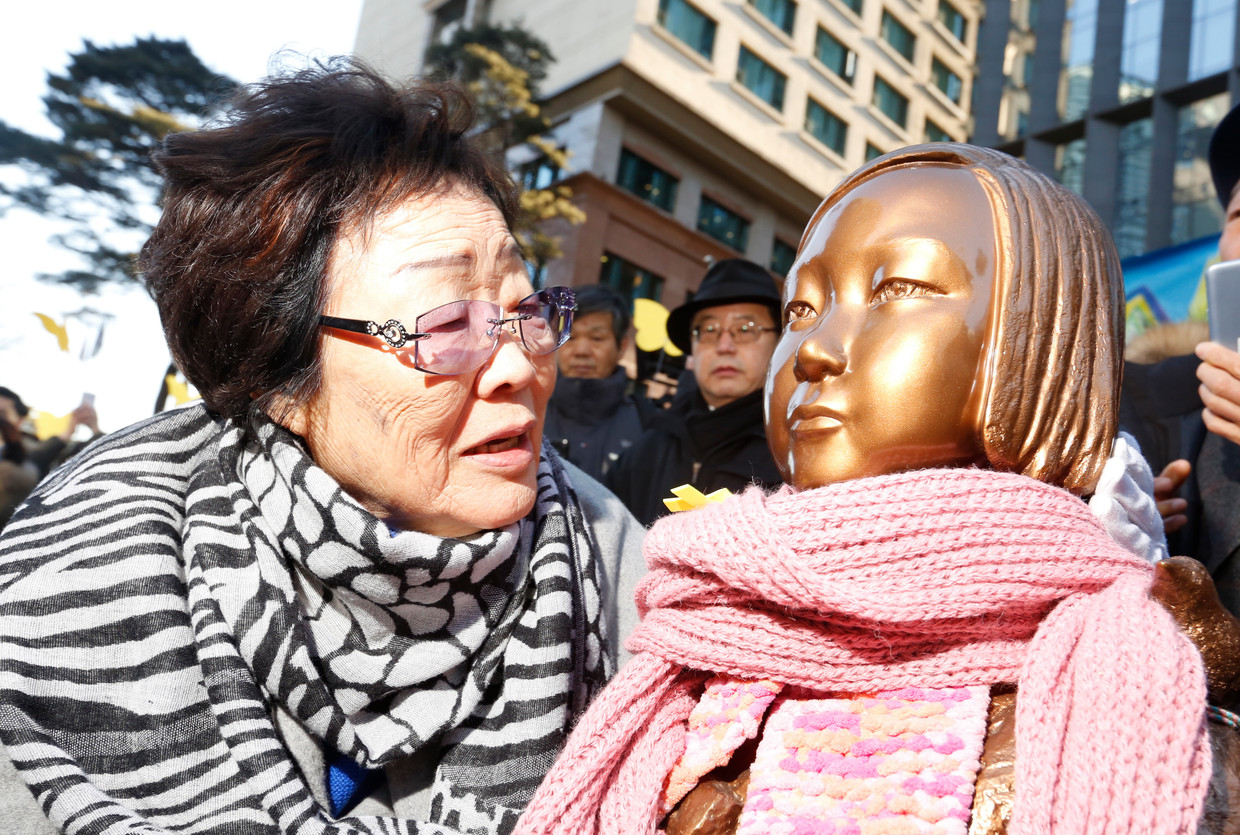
(510, 452)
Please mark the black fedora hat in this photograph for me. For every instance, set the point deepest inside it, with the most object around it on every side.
(731, 281)
(1225, 156)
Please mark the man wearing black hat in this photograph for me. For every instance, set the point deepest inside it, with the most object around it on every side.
(1185, 413)
(713, 435)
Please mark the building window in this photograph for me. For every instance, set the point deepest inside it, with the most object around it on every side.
(898, 36)
(782, 13)
(890, 102)
(953, 21)
(934, 133)
(833, 55)
(825, 126)
(539, 173)
(446, 19)
(646, 180)
(1070, 165)
(948, 82)
(688, 25)
(1138, 65)
(722, 224)
(1132, 193)
(855, 5)
(1211, 46)
(628, 279)
(783, 256)
(872, 151)
(761, 79)
(1194, 210)
(1077, 60)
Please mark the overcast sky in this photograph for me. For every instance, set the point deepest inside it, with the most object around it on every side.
(233, 37)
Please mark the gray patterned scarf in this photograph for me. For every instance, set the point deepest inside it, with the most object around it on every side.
(279, 589)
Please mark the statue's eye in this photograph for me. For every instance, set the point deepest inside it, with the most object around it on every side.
(901, 288)
(798, 311)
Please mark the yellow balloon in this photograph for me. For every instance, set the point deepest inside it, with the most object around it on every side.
(57, 330)
(47, 425)
(650, 322)
(178, 390)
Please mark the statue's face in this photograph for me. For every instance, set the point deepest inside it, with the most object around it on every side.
(886, 312)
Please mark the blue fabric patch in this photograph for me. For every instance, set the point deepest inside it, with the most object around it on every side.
(347, 782)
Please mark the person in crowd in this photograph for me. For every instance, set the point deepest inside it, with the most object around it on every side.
(712, 436)
(352, 591)
(927, 629)
(1185, 413)
(41, 457)
(593, 416)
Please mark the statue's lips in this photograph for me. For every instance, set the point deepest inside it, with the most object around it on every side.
(814, 425)
(813, 418)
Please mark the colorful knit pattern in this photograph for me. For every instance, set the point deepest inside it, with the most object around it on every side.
(899, 762)
(729, 713)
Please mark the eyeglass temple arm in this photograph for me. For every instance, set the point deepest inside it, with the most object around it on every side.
(370, 328)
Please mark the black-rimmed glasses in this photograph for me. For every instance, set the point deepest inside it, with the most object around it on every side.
(460, 336)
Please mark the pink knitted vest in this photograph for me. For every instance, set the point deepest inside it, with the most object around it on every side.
(939, 578)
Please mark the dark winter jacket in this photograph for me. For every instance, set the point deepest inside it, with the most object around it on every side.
(592, 422)
(1161, 407)
(690, 444)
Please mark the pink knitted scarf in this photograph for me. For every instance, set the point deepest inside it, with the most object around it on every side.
(934, 578)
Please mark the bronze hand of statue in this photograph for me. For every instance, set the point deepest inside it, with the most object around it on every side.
(1185, 588)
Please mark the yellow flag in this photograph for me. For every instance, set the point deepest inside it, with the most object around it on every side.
(178, 390)
(650, 320)
(47, 425)
(59, 331)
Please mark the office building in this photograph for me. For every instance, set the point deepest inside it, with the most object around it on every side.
(1117, 100)
(708, 129)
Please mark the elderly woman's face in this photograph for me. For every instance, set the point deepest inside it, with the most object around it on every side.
(886, 313)
(446, 455)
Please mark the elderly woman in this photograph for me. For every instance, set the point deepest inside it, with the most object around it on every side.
(352, 591)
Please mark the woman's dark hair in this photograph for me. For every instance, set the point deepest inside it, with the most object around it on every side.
(254, 206)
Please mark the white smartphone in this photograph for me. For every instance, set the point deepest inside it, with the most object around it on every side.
(1223, 301)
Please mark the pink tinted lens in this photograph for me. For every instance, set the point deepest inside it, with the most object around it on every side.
(458, 337)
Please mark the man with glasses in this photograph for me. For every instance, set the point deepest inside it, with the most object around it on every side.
(713, 435)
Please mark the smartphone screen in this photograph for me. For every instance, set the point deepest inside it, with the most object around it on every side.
(1223, 299)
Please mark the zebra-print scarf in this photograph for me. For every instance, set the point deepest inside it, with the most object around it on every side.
(177, 584)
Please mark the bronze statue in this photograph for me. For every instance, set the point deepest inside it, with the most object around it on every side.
(953, 326)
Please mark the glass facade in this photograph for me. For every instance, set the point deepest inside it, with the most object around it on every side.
(629, 280)
(688, 25)
(1212, 43)
(1195, 211)
(1138, 65)
(723, 224)
(855, 5)
(760, 78)
(1070, 164)
(825, 126)
(953, 21)
(898, 36)
(646, 180)
(783, 256)
(892, 103)
(1017, 70)
(1132, 190)
(782, 13)
(833, 55)
(872, 151)
(1077, 60)
(948, 82)
(934, 133)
